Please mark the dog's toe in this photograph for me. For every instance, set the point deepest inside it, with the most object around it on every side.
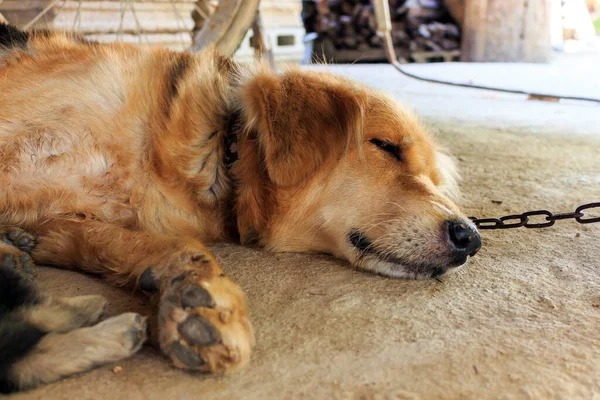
(16, 259)
(22, 240)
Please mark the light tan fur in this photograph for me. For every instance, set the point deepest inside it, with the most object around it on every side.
(64, 314)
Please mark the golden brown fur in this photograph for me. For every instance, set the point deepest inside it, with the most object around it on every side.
(113, 156)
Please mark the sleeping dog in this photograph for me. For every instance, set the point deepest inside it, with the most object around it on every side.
(125, 162)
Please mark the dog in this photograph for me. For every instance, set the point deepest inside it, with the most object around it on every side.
(126, 162)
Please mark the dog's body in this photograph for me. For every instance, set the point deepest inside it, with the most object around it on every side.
(123, 161)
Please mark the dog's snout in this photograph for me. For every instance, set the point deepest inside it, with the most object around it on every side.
(465, 241)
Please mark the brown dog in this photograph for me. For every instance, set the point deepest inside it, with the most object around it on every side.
(125, 161)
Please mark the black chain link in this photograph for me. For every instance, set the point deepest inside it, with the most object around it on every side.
(528, 219)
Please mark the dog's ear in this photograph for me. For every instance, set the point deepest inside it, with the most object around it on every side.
(301, 120)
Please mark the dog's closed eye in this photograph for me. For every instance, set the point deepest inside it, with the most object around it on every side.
(388, 147)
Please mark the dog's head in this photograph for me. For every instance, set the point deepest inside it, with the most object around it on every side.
(327, 165)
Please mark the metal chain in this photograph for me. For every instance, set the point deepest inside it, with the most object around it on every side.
(523, 220)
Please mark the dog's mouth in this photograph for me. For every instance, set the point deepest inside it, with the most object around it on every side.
(369, 251)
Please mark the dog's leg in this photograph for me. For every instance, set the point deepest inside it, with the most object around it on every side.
(32, 351)
(203, 322)
(64, 314)
(57, 355)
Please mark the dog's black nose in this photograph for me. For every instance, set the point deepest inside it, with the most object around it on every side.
(465, 241)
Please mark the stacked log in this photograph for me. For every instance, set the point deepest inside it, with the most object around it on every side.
(418, 26)
(457, 10)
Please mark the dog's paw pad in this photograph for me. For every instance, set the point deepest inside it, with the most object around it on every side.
(149, 281)
(22, 262)
(20, 239)
(199, 332)
(185, 356)
(196, 296)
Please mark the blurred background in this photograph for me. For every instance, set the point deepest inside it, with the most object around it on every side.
(341, 31)
(521, 321)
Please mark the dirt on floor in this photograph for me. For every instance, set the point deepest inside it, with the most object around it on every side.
(520, 320)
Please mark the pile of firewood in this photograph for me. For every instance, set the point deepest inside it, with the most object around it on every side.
(418, 25)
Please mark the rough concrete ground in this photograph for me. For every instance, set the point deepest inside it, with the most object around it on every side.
(521, 320)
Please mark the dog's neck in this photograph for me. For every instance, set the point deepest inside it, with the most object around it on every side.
(241, 159)
(232, 187)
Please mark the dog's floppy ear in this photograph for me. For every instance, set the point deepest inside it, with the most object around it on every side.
(301, 119)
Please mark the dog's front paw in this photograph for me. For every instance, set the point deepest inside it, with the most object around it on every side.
(203, 322)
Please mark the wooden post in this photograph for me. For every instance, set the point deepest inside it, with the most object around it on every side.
(507, 31)
(457, 10)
